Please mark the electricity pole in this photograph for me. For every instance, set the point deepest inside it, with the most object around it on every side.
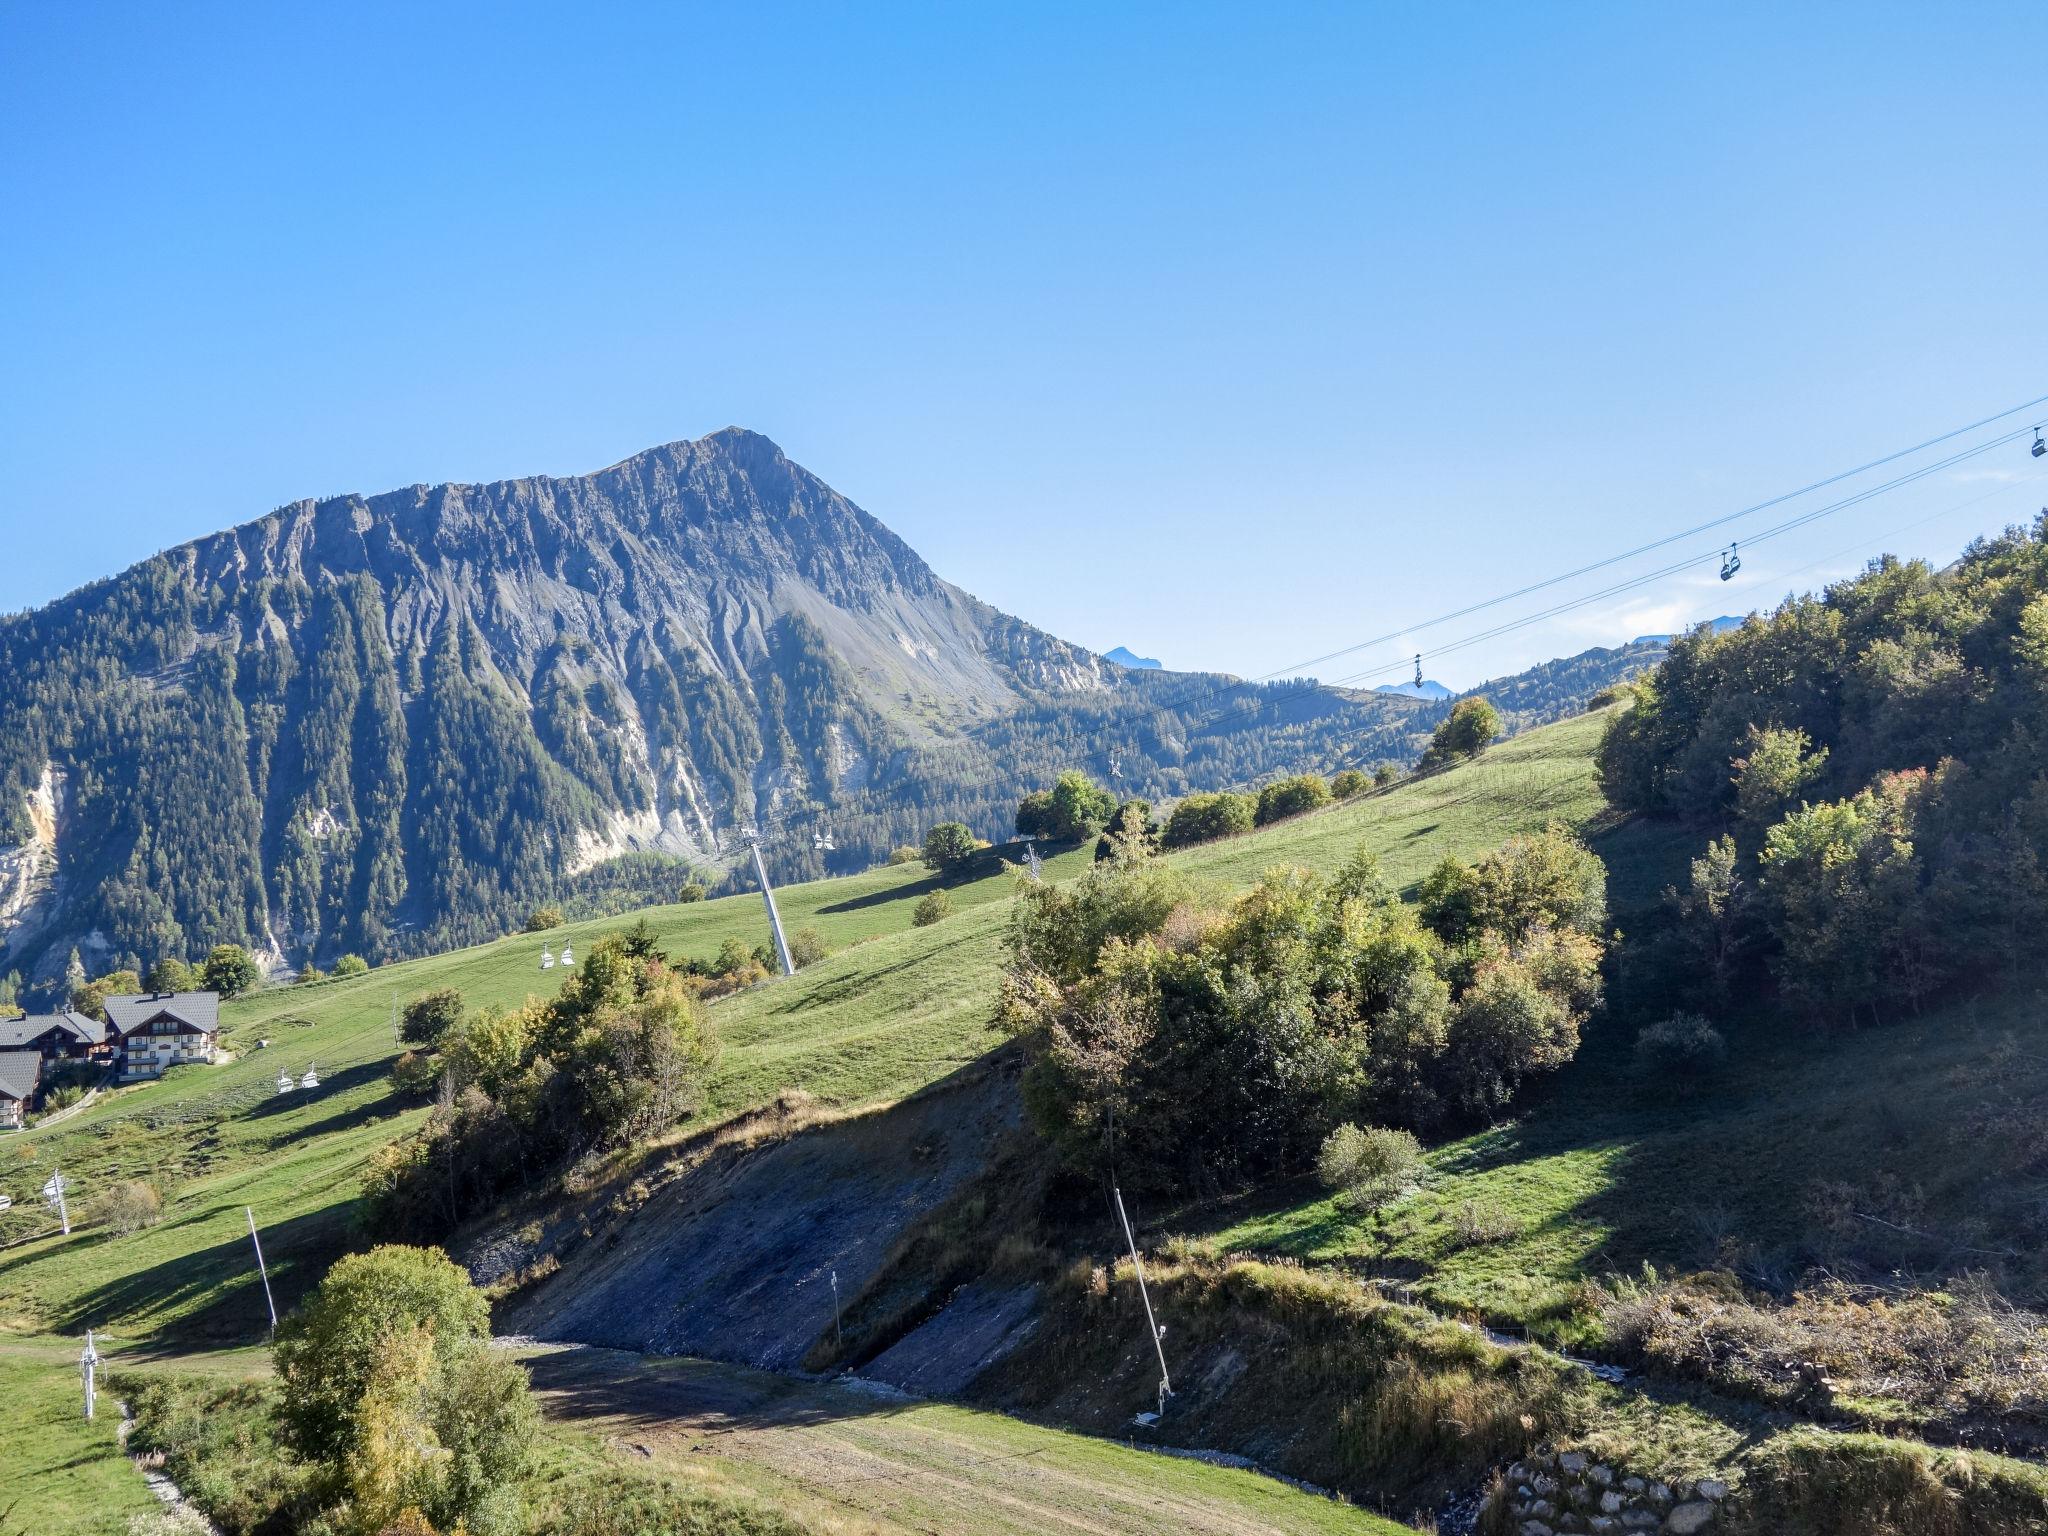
(768, 896)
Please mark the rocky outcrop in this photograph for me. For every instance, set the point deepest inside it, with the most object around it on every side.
(28, 870)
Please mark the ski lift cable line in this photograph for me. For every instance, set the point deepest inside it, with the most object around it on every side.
(1948, 511)
(1634, 582)
(1642, 580)
(1294, 668)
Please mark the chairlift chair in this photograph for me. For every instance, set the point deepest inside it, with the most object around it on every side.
(567, 958)
(2040, 448)
(1731, 562)
(547, 959)
(311, 1079)
(1418, 669)
(285, 1084)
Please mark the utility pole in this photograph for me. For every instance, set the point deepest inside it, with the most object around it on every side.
(87, 1362)
(1032, 861)
(768, 895)
(1152, 1323)
(262, 1269)
(838, 1333)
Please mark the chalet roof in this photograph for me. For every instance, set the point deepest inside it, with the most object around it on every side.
(200, 1010)
(20, 1071)
(15, 1033)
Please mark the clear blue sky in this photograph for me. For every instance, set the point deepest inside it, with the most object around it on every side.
(1231, 333)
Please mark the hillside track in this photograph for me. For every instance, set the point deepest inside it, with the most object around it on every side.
(899, 1464)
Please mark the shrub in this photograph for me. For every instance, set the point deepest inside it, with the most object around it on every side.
(169, 975)
(230, 970)
(309, 972)
(127, 1206)
(1681, 1051)
(691, 892)
(430, 1016)
(350, 965)
(936, 907)
(1290, 797)
(1348, 783)
(1463, 733)
(541, 919)
(949, 848)
(1072, 808)
(733, 957)
(1204, 818)
(1384, 775)
(1370, 1166)
(806, 948)
(905, 855)
(415, 1072)
(326, 1351)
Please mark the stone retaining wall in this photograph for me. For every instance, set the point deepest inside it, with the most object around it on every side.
(1569, 1492)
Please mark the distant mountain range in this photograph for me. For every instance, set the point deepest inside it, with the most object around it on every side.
(1428, 688)
(395, 723)
(1124, 657)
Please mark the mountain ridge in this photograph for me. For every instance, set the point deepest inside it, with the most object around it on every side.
(397, 722)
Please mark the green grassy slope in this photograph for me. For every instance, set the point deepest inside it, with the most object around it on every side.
(1793, 1156)
(59, 1475)
(896, 1008)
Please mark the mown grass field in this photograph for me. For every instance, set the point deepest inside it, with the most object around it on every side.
(862, 1464)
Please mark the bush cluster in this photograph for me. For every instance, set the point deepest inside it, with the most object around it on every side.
(619, 1053)
(1196, 1043)
(1864, 767)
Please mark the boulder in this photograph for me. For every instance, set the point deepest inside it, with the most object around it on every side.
(1689, 1519)
(1712, 1489)
(1612, 1503)
(1573, 1462)
(1603, 1475)
(1634, 1485)
(1536, 1528)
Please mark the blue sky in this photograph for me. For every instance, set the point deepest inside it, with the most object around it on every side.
(1232, 333)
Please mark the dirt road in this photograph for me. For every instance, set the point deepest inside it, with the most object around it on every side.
(863, 1462)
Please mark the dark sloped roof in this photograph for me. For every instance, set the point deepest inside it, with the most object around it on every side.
(18, 1032)
(20, 1071)
(201, 1010)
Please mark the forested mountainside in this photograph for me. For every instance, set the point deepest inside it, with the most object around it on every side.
(390, 724)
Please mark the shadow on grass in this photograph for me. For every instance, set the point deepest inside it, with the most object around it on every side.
(214, 1291)
(331, 1086)
(988, 862)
